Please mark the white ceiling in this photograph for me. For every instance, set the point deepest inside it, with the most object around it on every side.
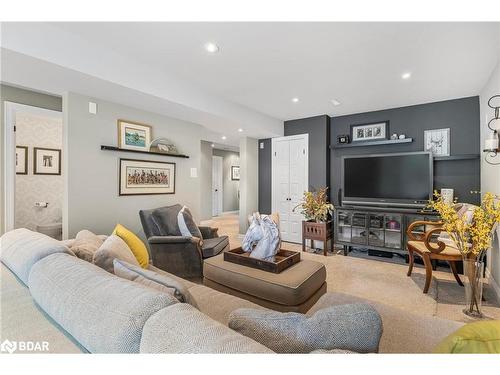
(261, 66)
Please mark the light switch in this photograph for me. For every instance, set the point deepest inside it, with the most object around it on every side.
(93, 108)
(194, 173)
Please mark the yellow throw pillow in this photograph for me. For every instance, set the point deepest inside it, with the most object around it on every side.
(134, 243)
(478, 337)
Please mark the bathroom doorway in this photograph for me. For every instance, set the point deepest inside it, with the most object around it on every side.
(34, 178)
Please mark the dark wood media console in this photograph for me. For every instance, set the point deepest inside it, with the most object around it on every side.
(377, 228)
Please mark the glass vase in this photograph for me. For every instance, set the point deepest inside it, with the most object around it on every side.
(473, 272)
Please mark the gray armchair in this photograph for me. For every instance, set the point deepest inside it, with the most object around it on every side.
(180, 255)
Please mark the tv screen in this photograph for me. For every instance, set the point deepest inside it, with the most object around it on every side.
(398, 178)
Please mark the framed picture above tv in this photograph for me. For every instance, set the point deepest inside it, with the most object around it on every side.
(370, 132)
(145, 177)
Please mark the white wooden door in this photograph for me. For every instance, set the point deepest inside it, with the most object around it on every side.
(217, 185)
(290, 180)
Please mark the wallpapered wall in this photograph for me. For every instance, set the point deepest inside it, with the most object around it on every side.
(37, 131)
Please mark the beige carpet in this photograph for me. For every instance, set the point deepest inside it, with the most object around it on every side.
(382, 281)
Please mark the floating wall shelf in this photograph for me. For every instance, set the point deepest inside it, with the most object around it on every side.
(113, 148)
(373, 143)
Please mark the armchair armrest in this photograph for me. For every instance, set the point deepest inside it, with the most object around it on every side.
(420, 237)
(208, 232)
(431, 245)
(172, 239)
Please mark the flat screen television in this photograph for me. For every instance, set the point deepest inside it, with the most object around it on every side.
(397, 180)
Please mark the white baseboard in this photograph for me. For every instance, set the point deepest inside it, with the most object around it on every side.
(493, 284)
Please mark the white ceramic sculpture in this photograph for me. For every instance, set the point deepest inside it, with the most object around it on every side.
(262, 239)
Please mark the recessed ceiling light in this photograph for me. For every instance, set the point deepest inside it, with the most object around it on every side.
(224, 137)
(295, 100)
(406, 75)
(335, 102)
(213, 145)
(212, 47)
(240, 130)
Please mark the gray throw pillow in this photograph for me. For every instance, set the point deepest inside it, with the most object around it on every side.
(165, 219)
(355, 327)
(186, 224)
(86, 244)
(155, 280)
(113, 248)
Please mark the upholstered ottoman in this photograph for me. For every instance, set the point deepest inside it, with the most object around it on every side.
(295, 289)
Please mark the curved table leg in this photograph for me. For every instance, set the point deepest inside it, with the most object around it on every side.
(428, 272)
(411, 260)
(453, 267)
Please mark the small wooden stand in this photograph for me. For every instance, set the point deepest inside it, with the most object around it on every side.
(317, 232)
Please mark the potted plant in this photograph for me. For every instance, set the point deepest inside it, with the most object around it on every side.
(471, 229)
(318, 213)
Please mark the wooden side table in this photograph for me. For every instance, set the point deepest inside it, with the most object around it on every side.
(317, 232)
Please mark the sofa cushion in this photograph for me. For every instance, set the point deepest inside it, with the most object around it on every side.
(21, 248)
(213, 246)
(291, 287)
(158, 280)
(86, 244)
(113, 248)
(165, 219)
(134, 243)
(186, 223)
(473, 338)
(355, 327)
(104, 313)
(181, 328)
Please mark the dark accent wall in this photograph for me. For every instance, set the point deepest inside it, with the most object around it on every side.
(318, 128)
(460, 115)
(265, 176)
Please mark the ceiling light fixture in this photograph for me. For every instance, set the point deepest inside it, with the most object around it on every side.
(224, 137)
(335, 102)
(240, 130)
(212, 47)
(213, 145)
(406, 75)
(295, 100)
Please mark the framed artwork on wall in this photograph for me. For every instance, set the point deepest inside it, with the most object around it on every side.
(46, 161)
(134, 135)
(437, 141)
(21, 160)
(235, 173)
(144, 177)
(369, 132)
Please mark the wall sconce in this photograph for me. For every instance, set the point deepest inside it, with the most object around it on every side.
(491, 145)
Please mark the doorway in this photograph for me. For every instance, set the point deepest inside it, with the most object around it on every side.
(217, 185)
(290, 176)
(34, 185)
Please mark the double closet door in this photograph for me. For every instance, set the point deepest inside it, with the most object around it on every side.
(289, 181)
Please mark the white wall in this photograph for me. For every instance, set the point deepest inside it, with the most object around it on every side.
(490, 174)
(205, 178)
(93, 202)
(37, 131)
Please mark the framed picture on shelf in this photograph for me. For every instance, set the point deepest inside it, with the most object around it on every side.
(437, 141)
(133, 135)
(144, 177)
(369, 132)
(21, 160)
(235, 173)
(46, 161)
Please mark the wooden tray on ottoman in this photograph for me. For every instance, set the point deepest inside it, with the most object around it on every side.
(283, 260)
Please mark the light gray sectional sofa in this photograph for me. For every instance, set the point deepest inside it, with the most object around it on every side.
(47, 294)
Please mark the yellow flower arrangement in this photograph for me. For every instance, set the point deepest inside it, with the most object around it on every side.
(315, 206)
(472, 237)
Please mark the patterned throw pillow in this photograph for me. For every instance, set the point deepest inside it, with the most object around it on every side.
(353, 327)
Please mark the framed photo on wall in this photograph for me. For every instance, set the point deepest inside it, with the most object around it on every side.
(369, 132)
(21, 160)
(235, 173)
(144, 177)
(437, 141)
(46, 161)
(133, 135)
